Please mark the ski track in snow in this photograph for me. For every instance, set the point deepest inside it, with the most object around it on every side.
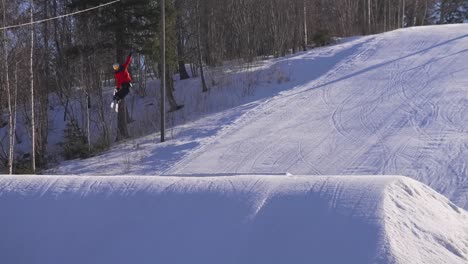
(382, 110)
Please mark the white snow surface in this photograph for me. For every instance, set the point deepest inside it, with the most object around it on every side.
(365, 109)
(237, 219)
(388, 104)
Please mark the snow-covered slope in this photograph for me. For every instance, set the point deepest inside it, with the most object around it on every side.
(392, 104)
(422, 226)
(396, 103)
(243, 219)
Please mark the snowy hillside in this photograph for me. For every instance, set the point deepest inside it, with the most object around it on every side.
(242, 219)
(392, 104)
(365, 109)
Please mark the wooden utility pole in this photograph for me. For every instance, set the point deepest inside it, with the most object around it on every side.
(163, 70)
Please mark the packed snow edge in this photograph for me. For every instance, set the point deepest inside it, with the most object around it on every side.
(242, 219)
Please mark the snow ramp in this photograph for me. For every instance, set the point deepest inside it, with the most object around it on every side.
(242, 219)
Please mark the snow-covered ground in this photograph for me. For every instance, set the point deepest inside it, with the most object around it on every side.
(392, 103)
(238, 219)
(364, 110)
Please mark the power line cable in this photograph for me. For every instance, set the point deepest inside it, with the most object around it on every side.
(58, 17)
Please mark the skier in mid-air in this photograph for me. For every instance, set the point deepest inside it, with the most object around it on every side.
(123, 81)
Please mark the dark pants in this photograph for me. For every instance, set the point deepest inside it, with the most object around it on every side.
(123, 91)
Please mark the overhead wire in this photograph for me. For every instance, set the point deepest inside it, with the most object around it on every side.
(59, 17)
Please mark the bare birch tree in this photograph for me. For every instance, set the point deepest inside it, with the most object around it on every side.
(31, 81)
(11, 129)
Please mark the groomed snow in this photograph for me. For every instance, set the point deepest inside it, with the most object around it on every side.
(391, 104)
(388, 104)
(238, 219)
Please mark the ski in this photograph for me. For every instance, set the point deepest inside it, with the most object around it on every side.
(115, 105)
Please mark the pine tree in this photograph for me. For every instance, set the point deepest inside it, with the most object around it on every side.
(129, 24)
(75, 143)
(451, 11)
(171, 54)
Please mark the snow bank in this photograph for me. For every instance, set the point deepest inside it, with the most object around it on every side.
(423, 226)
(242, 219)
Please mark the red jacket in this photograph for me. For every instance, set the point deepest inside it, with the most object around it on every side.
(122, 75)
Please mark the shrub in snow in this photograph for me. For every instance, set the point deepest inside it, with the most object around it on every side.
(322, 38)
(75, 143)
(23, 165)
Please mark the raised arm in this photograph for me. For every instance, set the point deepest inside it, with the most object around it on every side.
(127, 62)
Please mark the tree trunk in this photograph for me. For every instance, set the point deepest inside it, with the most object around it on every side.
(102, 113)
(88, 121)
(180, 45)
(200, 59)
(170, 90)
(364, 17)
(305, 26)
(442, 11)
(122, 129)
(15, 112)
(423, 18)
(11, 129)
(183, 71)
(369, 16)
(42, 93)
(31, 80)
(163, 71)
(385, 16)
(403, 7)
(415, 13)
